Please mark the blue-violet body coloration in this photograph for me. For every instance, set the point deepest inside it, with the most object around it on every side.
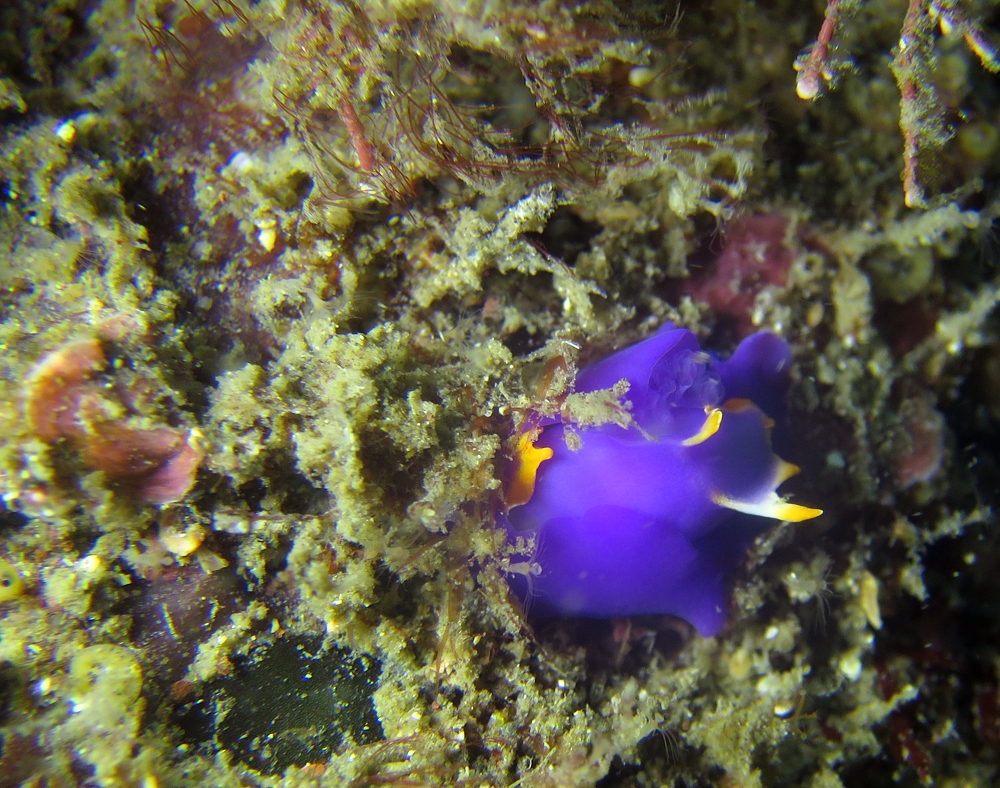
(650, 519)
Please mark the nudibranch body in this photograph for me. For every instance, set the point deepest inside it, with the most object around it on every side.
(646, 519)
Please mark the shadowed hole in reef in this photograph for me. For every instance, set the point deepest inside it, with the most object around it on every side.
(620, 774)
(386, 466)
(791, 763)
(303, 497)
(10, 683)
(565, 235)
(870, 773)
(291, 703)
(175, 608)
(12, 520)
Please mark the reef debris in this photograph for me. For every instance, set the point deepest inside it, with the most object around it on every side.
(66, 400)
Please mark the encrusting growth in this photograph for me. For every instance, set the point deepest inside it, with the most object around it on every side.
(64, 401)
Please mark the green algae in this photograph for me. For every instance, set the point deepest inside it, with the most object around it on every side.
(292, 704)
(355, 311)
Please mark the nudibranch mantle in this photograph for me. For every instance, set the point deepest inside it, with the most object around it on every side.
(645, 518)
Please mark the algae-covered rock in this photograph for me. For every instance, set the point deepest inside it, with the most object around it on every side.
(294, 704)
(282, 287)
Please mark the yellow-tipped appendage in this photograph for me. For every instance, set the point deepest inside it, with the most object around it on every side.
(526, 461)
(708, 429)
(772, 505)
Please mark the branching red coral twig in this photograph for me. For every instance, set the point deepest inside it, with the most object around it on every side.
(922, 119)
(815, 65)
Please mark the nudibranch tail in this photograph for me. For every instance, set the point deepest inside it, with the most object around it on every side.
(527, 458)
(752, 458)
(773, 505)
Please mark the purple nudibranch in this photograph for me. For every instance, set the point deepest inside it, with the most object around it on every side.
(650, 519)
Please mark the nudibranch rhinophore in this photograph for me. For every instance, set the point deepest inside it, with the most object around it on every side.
(650, 518)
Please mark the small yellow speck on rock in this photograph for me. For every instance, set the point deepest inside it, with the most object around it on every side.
(11, 584)
(740, 664)
(267, 237)
(814, 315)
(110, 669)
(869, 599)
(66, 131)
(640, 76)
(182, 542)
